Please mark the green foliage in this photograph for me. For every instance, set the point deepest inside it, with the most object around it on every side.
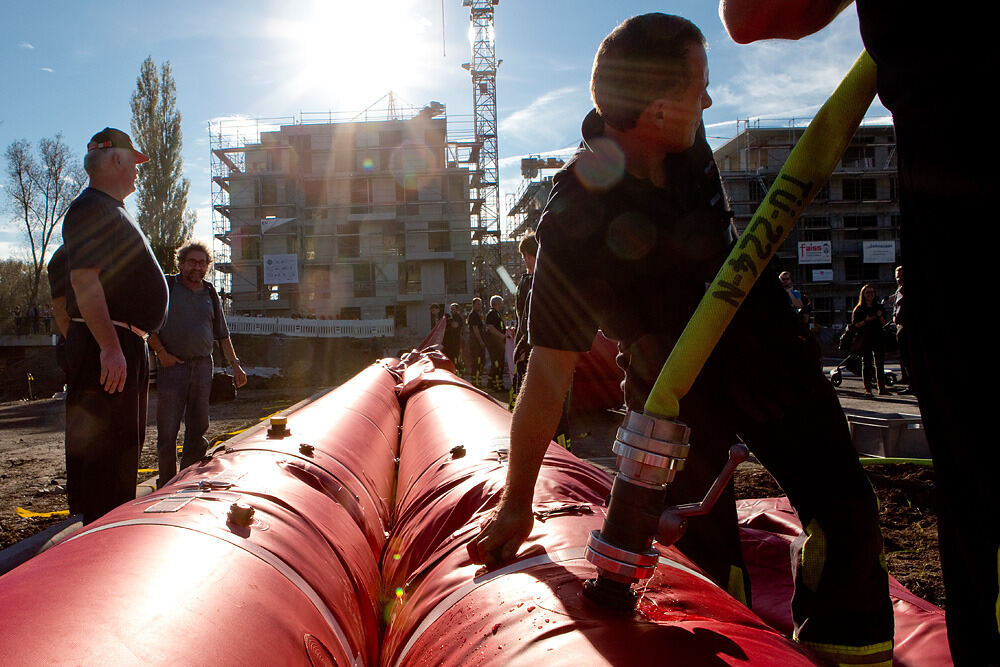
(161, 189)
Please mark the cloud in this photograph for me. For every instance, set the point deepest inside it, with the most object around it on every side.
(203, 228)
(46, 69)
(783, 78)
(543, 120)
(25, 45)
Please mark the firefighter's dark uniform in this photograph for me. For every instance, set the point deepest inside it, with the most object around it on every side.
(619, 253)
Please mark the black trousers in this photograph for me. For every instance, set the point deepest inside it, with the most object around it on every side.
(497, 362)
(104, 432)
(763, 385)
(943, 182)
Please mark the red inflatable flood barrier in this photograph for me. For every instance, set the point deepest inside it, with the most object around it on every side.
(174, 579)
(349, 560)
(767, 527)
(449, 611)
(597, 380)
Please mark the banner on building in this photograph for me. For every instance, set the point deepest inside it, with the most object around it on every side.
(815, 252)
(822, 275)
(267, 224)
(281, 269)
(878, 252)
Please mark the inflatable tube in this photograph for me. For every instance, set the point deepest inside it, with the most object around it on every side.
(312, 578)
(768, 526)
(448, 611)
(597, 379)
(175, 578)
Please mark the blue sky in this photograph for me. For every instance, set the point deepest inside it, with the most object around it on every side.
(70, 67)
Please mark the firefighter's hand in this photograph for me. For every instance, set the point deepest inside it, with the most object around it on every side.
(113, 369)
(502, 534)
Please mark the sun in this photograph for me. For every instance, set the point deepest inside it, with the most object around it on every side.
(348, 54)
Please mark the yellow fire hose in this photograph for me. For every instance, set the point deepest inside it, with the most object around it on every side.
(808, 167)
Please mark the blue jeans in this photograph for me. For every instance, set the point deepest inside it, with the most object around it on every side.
(182, 391)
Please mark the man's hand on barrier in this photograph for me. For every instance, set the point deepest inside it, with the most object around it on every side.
(502, 534)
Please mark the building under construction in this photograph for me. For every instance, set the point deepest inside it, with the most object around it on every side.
(524, 207)
(343, 219)
(849, 235)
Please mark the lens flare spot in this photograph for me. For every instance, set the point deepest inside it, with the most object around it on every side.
(603, 167)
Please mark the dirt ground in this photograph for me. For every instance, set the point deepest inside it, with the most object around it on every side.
(32, 458)
(32, 475)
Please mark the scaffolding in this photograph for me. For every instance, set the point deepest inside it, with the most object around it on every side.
(230, 137)
(486, 176)
(227, 139)
(524, 207)
(857, 205)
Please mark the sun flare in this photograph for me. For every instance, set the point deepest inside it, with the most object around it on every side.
(352, 53)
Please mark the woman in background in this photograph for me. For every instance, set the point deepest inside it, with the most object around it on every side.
(868, 319)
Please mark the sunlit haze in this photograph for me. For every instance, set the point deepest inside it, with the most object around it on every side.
(74, 66)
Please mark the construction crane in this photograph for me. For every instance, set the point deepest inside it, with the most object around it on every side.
(485, 211)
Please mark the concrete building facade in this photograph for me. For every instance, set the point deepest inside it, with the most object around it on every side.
(848, 237)
(344, 221)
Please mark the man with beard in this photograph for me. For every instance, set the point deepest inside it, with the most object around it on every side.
(183, 347)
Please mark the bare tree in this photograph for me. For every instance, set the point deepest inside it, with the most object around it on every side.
(39, 190)
(161, 190)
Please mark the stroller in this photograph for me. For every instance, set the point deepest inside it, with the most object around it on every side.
(852, 361)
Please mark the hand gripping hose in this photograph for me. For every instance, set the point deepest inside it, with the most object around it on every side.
(652, 446)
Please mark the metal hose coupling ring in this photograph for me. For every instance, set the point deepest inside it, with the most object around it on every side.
(620, 564)
(650, 450)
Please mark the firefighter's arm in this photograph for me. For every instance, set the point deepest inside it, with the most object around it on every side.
(536, 416)
(752, 20)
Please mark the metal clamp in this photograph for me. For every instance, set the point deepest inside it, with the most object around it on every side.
(650, 451)
(621, 563)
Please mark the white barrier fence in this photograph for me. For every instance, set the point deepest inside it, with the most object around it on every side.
(309, 328)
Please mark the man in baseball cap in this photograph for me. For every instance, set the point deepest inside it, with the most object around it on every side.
(109, 137)
(116, 294)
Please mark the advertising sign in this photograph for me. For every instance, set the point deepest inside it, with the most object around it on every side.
(822, 275)
(281, 269)
(815, 252)
(878, 252)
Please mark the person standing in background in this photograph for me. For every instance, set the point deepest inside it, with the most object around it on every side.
(183, 348)
(117, 293)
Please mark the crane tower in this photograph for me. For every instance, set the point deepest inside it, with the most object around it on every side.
(485, 212)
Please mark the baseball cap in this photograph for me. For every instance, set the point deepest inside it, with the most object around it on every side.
(109, 137)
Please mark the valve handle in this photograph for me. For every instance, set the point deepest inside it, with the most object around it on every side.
(673, 520)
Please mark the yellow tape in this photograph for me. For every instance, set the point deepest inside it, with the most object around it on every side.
(28, 514)
(808, 167)
(146, 471)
